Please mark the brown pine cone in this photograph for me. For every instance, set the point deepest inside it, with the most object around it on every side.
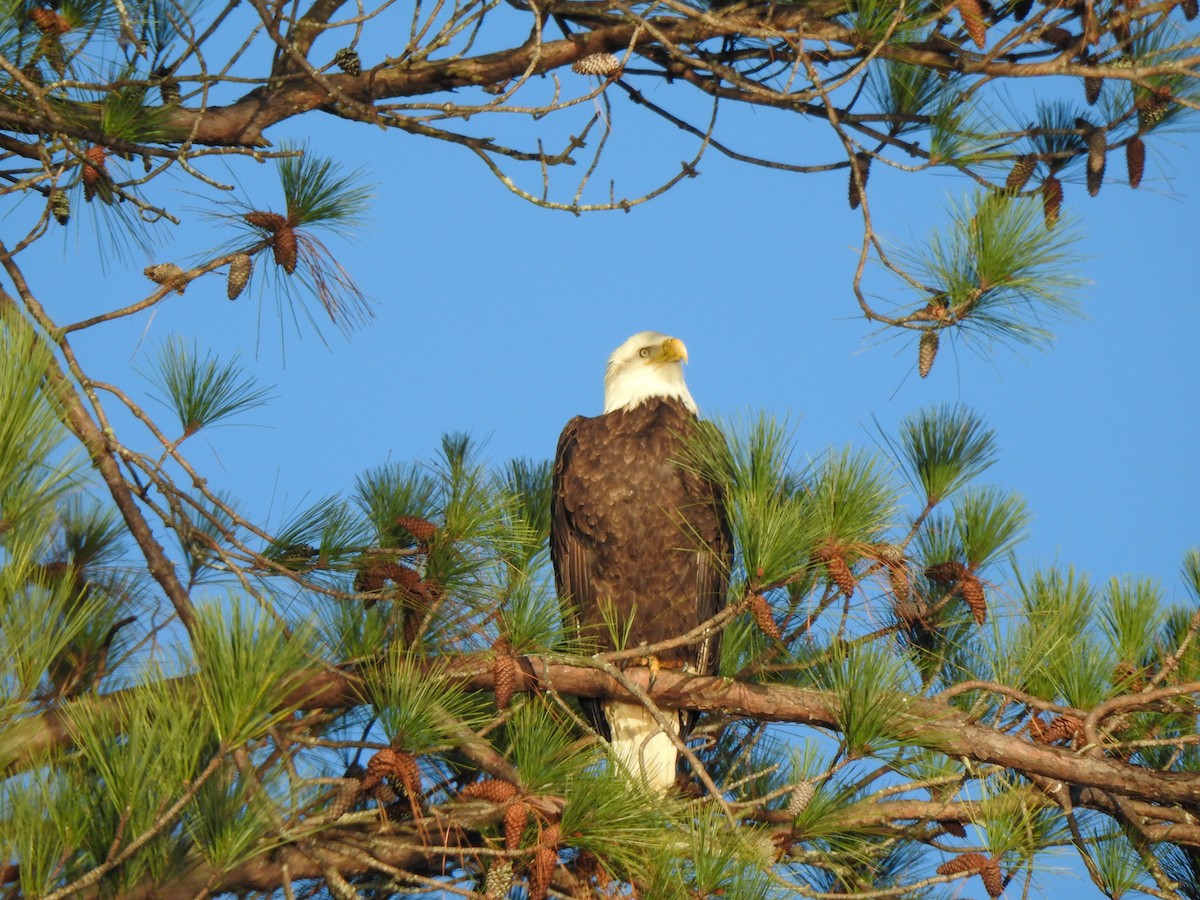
(380, 766)
(421, 529)
(344, 797)
(541, 871)
(964, 862)
(504, 676)
(493, 790)
(48, 21)
(1097, 144)
(834, 559)
(974, 597)
(286, 248)
(761, 610)
(267, 221)
(408, 773)
(927, 349)
(953, 826)
(946, 572)
(1052, 200)
(240, 268)
(1022, 171)
(167, 274)
(1135, 160)
(993, 878)
(96, 180)
(515, 817)
(802, 794)
(973, 21)
(862, 164)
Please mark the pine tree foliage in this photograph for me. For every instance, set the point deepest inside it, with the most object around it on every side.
(102, 100)
(896, 694)
(373, 693)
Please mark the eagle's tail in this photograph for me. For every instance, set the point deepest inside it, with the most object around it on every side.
(641, 746)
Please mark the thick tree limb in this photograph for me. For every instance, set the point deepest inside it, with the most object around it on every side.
(925, 723)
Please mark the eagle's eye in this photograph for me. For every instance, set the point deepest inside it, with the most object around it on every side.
(644, 352)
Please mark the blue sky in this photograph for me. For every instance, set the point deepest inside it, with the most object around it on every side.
(496, 318)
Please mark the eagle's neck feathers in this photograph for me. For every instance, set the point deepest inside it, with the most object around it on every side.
(630, 387)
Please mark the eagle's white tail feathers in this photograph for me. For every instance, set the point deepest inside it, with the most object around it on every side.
(640, 746)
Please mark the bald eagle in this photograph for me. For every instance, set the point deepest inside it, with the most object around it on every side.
(640, 544)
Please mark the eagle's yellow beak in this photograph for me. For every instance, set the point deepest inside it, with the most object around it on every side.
(673, 350)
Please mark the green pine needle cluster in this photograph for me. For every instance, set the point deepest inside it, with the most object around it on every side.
(998, 271)
(200, 389)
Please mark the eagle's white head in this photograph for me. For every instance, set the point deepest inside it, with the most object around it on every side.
(646, 366)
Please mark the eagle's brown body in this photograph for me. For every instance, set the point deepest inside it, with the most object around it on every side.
(640, 544)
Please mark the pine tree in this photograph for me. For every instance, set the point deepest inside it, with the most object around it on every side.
(373, 694)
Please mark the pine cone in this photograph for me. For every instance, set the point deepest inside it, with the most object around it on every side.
(899, 581)
(1092, 86)
(344, 797)
(946, 572)
(1135, 160)
(348, 61)
(1097, 145)
(992, 878)
(1022, 171)
(802, 794)
(860, 163)
(383, 764)
(1067, 727)
(96, 180)
(1037, 729)
(953, 826)
(1153, 109)
(603, 64)
(168, 274)
(964, 862)
(973, 21)
(408, 579)
(493, 790)
(240, 268)
(286, 248)
(60, 206)
(1190, 9)
(267, 221)
(499, 880)
(973, 596)
(515, 817)
(408, 773)
(927, 349)
(1059, 37)
(839, 572)
(48, 21)
(168, 87)
(422, 530)
(541, 871)
(504, 675)
(761, 610)
(1052, 199)
(1021, 9)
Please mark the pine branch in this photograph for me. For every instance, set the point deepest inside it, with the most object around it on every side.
(927, 723)
(83, 426)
